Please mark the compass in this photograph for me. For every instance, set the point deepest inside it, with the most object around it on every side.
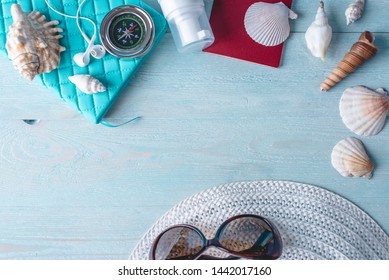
(127, 32)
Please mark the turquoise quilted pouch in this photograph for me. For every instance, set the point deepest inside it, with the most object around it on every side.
(113, 72)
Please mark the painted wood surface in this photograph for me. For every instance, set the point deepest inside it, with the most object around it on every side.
(70, 189)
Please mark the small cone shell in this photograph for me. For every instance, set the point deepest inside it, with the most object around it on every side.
(350, 159)
(358, 54)
(354, 11)
(87, 84)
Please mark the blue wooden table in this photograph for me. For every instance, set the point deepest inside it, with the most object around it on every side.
(70, 189)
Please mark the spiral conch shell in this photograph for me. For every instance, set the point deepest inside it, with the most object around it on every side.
(319, 34)
(87, 84)
(354, 11)
(268, 24)
(359, 53)
(32, 43)
(350, 159)
(364, 110)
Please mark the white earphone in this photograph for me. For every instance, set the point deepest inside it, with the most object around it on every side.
(97, 51)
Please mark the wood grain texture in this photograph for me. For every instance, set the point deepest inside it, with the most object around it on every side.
(74, 190)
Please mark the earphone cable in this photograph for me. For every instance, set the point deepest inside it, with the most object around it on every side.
(77, 17)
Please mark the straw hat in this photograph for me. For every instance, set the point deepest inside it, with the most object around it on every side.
(314, 223)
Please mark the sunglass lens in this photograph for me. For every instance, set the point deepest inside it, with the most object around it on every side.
(179, 243)
(251, 237)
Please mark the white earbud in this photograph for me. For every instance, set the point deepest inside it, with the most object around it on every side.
(83, 59)
(97, 51)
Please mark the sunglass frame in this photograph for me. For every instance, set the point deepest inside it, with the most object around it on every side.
(214, 242)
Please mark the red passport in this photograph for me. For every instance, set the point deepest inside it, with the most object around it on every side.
(231, 38)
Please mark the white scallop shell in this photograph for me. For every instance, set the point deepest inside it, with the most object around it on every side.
(268, 24)
(354, 11)
(32, 43)
(87, 84)
(350, 159)
(364, 110)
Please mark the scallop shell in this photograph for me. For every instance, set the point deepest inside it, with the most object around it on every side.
(87, 84)
(364, 110)
(350, 159)
(32, 43)
(268, 24)
(354, 11)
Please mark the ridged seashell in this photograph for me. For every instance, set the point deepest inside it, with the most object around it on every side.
(32, 43)
(358, 54)
(268, 24)
(87, 84)
(354, 11)
(319, 34)
(350, 159)
(363, 110)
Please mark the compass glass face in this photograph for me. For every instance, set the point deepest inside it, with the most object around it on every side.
(127, 31)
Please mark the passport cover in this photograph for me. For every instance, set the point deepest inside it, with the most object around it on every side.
(231, 38)
(113, 72)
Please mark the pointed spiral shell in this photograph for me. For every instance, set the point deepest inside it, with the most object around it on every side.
(358, 54)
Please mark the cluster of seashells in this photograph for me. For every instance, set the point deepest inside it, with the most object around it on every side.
(33, 46)
(364, 112)
(268, 25)
(319, 34)
(318, 38)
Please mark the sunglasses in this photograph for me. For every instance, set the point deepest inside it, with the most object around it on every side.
(243, 236)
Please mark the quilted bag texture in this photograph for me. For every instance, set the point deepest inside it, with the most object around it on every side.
(113, 72)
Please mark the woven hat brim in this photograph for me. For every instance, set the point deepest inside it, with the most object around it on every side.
(314, 223)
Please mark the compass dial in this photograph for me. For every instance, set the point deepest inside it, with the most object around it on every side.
(127, 32)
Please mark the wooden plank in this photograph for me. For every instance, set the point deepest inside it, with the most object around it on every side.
(66, 182)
